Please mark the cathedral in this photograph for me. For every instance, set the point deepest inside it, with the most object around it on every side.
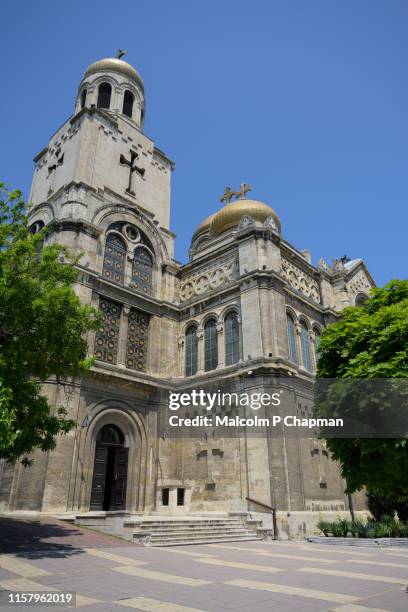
(244, 314)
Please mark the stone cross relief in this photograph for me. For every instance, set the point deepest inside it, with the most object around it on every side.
(210, 449)
(130, 163)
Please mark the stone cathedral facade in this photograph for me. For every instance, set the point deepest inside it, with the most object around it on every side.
(244, 312)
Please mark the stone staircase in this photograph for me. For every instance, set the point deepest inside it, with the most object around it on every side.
(154, 530)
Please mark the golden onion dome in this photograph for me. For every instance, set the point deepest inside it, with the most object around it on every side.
(204, 225)
(231, 214)
(113, 64)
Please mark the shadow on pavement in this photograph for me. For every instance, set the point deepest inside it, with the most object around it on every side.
(35, 539)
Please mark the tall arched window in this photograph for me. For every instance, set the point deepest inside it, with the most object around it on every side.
(305, 345)
(83, 98)
(142, 270)
(104, 95)
(191, 351)
(231, 327)
(210, 345)
(115, 258)
(128, 99)
(292, 339)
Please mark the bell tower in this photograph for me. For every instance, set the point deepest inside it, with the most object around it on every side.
(101, 157)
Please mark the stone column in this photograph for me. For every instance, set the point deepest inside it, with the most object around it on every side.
(123, 333)
(181, 354)
(221, 345)
(266, 323)
(298, 345)
(200, 350)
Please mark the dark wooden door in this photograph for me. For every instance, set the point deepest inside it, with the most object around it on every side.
(120, 476)
(99, 478)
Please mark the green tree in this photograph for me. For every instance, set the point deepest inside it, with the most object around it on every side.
(370, 342)
(42, 331)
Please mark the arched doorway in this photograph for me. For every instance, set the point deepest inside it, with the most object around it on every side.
(110, 470)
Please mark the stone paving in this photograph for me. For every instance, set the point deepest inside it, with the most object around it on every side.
(111, 574)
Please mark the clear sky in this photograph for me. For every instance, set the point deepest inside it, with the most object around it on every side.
(304, 99)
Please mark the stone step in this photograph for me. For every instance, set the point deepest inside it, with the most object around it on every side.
(190, 542)
(171, 524)
(193, 532)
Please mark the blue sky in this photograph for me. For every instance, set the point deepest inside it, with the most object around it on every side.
(304, 99)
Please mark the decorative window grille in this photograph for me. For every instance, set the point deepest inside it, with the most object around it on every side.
(305, 345)
(115, 258)
(142, 272)
(292, 339)
(107, 336)
(191, 351)
(210, 346)
(137, 339)
(231, 327)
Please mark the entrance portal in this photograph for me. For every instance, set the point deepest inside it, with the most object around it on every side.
(110, 470)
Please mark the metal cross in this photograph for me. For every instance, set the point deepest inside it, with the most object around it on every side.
(132, 168)
(243, 190)
(228, 195)
(120, 53)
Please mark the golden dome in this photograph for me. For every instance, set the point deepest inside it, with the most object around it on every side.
(204, 225)
(231, 214)
(113, 64)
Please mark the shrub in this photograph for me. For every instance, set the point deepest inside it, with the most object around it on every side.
(386, 528)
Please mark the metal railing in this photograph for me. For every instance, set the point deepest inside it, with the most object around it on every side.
(273, 512)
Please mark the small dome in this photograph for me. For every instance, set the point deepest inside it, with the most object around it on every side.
(204, 225)
(113, 64)
(231, 214)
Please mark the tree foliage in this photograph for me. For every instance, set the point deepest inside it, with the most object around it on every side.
(43, 330)
(370, 342)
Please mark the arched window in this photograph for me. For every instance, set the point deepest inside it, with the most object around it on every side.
(115, 258)
(231, 331)
(110, 434)
(305, 345)
(128, 100)
(83, 98)
(210, 345)
(292, 339)
(36, 227)
(104, 95)
(142, 270)
(361, 299)
(191, 351)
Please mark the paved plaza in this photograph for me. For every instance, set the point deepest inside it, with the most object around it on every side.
(110, 574)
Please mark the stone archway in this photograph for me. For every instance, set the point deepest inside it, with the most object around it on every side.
(132, 427)
(109, 480)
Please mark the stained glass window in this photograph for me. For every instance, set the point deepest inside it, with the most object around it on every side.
(107, 336)
(136, 349)
(142, 272)
(115, 258)
(305, 345)
(292, 339)
(231, 327)
(191, 351)
(210, 346)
